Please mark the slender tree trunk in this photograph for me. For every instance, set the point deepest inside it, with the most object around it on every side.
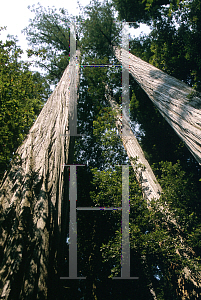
(31, 199)
(152, 190)
(144, 174)
(179, 104)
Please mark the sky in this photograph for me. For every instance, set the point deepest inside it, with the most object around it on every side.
(15, 15)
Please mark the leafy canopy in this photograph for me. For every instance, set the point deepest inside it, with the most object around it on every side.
(22, 95)
(48, 36)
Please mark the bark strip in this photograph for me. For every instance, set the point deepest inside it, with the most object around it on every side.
(31, 198)
(179, 104)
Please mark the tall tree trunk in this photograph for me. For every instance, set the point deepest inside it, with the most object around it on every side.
(152, 190)
(179, 104)
(31, 199)
(144, 174)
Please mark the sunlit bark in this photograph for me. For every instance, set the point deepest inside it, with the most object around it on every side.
(31, 199)
(179, 104)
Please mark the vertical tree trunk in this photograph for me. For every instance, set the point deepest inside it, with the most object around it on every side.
(31, 199)
(179, 104)
(152, 190)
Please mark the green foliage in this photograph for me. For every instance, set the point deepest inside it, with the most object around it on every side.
(99, 30)
(181, 193)
(174, 43)
(141, 10)
(48, 35)
(22, 95)
(150, 236)
(95, 119)
(108, 139)
(180, 188)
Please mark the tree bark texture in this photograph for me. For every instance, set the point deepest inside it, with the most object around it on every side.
(144, 174)
(31, 198)
(179, 104)
(151, 189)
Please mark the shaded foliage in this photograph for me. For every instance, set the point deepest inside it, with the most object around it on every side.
(141, 11)
(22, 95)
(99, 30)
